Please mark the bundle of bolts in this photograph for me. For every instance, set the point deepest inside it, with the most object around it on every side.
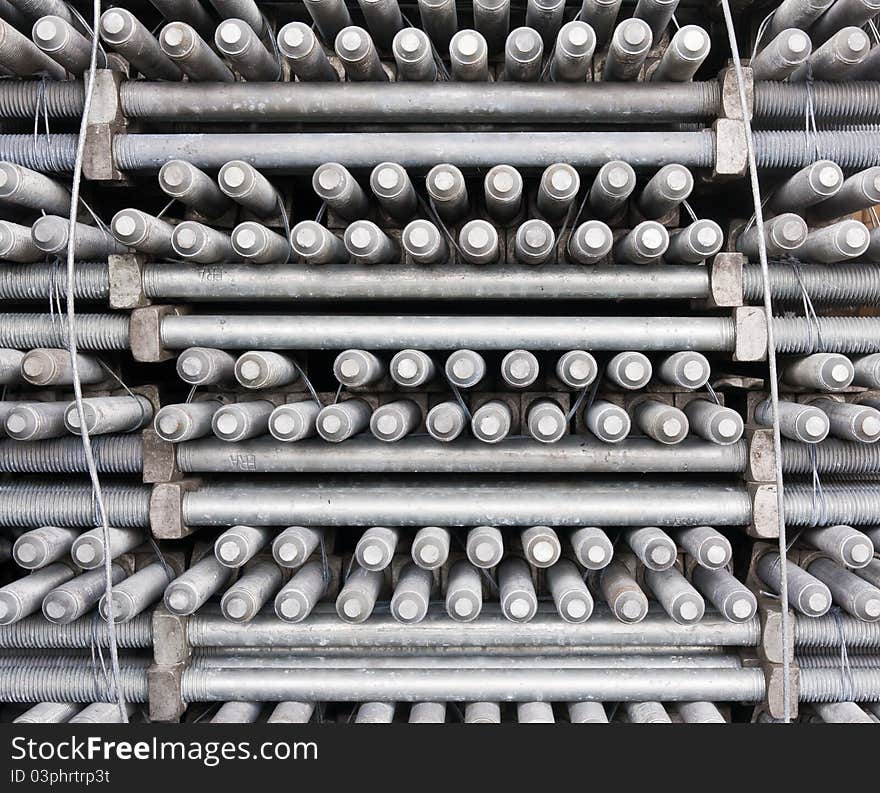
(424, 355)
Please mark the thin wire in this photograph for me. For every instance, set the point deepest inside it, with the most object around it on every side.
(771, 359)
(72, 349)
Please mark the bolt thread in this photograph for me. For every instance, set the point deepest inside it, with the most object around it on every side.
(853, 505)
(833, 457)
(27, 504)
(93, 331)
(37, 633)
(850, 101)
(832, 661)
(835, 685)
(28, 98)
(790, 149)
(83, 683)
(848, 335)
(55, 154)
(841, 284)
(91, 281)
(813, 633)
(114, 454)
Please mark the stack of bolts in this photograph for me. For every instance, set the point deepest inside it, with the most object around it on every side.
(419, 269)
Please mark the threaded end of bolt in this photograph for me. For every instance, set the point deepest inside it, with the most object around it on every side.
(55, 154)
(832, 101)
(38, 633)
(91, 281)
(27, 98)
(847, 335)
(114, 454)
(813, 633)
(93, 331)
(25, 504)
(853, 505)
(833, 457)
(842, 284)
(834, 685)
(72, 684)
(791, 149)
(832, 661)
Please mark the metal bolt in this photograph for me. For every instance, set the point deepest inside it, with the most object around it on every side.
(622, 593)
(413, 56)
(315, 244)
(630, 44)
(803, 423)
(674, 592)
(591, 547)
(519, 601)
(135, 594)
(88, 550)
(826, 371)
(50, 234)
(356, 50)
(299, 596)
(484, 546)
(852, 593)
(395, 420)
(25, 595)
(464, 592)
(695, 243)
(236, 546)
(304, 54)
(189, 591)
(469, 56)
(341, 421)
(265, 369)
(245, 185)
(330, 17)
(366, 243)
(726, 593)
(38, 547)
(104, 415)
(708, 547)
(357, 598)
(446, 421)
(430, 547)
(807, 594)
(20, 56)
(383, 18)
(201, 244)
(541, 546)
(409, 602)
(557, 190)
(358, 368)
(783, 234)
(610, 423)
(246, 597)
(782, 56)
(720, 425)
(846, 545)
(851, 422)
(295, 545)
(238, 42)
(29, 188)
(465, 368)
(573, 53)
(654, 547)
(75, 598)
(294, 421)
(657, 13)
(666, 190)
(629, 370)
(492, 421)
(685, 54)
(611, 188)
(184, 182)
(545, 421)
(838, 57)
(33, 421)
(577, 369)
(523, 52)
(685, 369)
(645, 244)
(412, 368)
(44, 367)
(205, 366)
(242, 420)
(478, 242)
(535, 242)
(519, 369)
